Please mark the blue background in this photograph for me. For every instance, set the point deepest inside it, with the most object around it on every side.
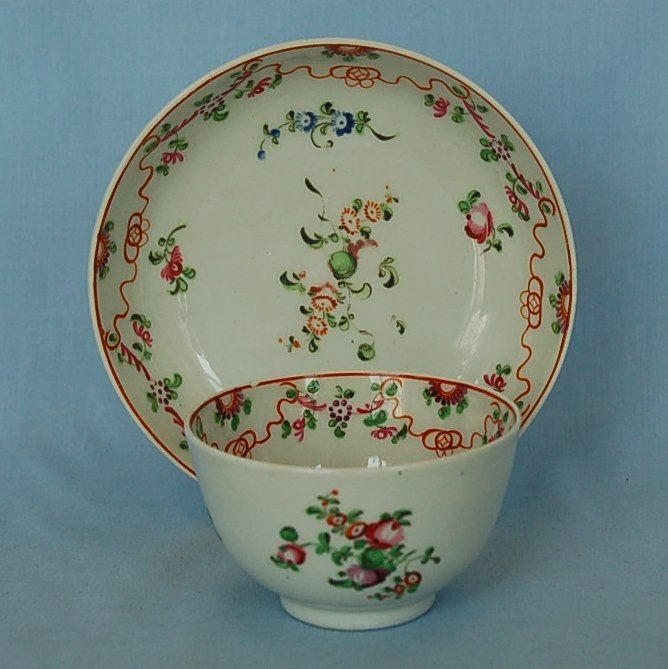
(106, 556)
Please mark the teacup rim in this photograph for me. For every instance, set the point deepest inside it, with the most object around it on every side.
(510, 435)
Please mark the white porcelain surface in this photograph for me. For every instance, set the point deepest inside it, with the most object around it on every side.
(400, 532)
(210, 208)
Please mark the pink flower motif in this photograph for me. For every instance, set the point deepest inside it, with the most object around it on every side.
(174, 268)
(479, 223)
(495, 381)
(384, 533)
(291, 553)
(298, 427)
(143, 333)
(260, 87)
(366, 578)
(354, 248)
(172, 157)
(384, 432)
(441, 107)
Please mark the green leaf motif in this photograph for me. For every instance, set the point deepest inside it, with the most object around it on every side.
(288, 533)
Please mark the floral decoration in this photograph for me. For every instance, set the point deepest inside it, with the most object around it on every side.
(349, 52)
(496, 148)
(561, 302)
(104, 247)
(458, 114)
(497, 380)
(174, 270)
(320, 126)
(341, 410)
(447, 395)
(229, 406)
(480, 224)
(163, 391)
(330, 304)
(367, 554)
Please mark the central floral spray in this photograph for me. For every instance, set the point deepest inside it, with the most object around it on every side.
(330, 304)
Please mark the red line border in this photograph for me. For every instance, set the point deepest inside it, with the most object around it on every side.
(272, 51)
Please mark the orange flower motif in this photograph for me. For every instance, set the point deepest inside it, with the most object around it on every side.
(532, 302)
(373, 211)
(317, 325)
(350, 221)
(324, 298)
(364, 77)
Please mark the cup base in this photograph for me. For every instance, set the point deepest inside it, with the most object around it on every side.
(354, 619)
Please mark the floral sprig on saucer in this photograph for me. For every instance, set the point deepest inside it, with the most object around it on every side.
(497, 380)
(322, 126)
(141, 326)
(169, 254)
(163, 391)
(496, 148)
(330, 304)
(480, 224)
(368, 554)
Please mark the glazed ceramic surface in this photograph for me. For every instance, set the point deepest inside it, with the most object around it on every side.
(369, 492)
(321, 206)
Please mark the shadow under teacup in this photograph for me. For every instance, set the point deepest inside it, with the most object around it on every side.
(355, 496)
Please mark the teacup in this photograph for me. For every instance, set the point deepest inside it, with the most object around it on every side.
(355, 496)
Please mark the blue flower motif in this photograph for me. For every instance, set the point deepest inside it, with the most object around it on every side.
(343, 123)
(305, 120)
(261, 154)
(275, 133)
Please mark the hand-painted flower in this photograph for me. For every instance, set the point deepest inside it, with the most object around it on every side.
(348, 49)
(479, 223)
(337, 519)
(318, 326)
(384, 533)
(174, 268)
(260, 87)
(354, 248)
(292, 554)
(447, 393)
(325, 298)
(412, 578)
(343, 123)
(384, 432)
(172, 157)
(298, 427)
(495, 381)
(441, 107)
(350, 221)
(305, 120)
(366, 578)
(563, 306)
(356, 530)
(143, 333)
(373, 211)
(229, 404)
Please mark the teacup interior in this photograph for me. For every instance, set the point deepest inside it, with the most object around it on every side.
(352, 420)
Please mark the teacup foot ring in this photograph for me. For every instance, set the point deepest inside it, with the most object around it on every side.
(355, 619)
